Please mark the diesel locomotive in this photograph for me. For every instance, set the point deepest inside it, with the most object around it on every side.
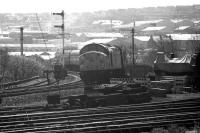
(99, 62)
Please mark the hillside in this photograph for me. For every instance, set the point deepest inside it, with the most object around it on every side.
(128, 15)
(77, 22)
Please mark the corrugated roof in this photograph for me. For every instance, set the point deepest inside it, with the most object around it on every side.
(154, 28)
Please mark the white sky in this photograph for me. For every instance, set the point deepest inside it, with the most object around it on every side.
(37, 6)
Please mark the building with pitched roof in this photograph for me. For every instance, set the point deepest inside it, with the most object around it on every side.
(86, 36)
(186, 43)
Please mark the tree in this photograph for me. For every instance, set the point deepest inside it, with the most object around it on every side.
(4, 58)
(21, 67)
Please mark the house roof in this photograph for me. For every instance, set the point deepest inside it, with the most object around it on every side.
(4, 32)
(45, 53)
(176, 20)
(154, 28)
(185, 36)
(51, 54)
(138, 23)
(142, 38)
(72, 52)
(182, 27)
(108, 22)
(30, 45)
(161, 38)
(130, 25)
(105, 40)
(196, 21)
(30, 32)
(4, 38)
(103, 34)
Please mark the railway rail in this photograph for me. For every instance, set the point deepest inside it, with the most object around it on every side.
(38, 84)
(41, 88)
(13, 84)
(103, 122)
(123, 118)
(105, 119)
(29, 109)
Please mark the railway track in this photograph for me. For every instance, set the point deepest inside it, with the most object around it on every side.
(13, 84)
(103, 119)
(28, 109)
(122, 118)
(95, 124)
(41, 88)
(38, 84)
(25, 91)
(16, 88)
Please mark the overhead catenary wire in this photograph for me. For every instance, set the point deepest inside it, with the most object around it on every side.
(42, 34)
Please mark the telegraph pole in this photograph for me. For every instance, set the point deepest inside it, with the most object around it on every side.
(133, 47)
(21, 40)
(133, 32)
(62, 26)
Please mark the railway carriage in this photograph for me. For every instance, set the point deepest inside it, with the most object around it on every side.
(72, 60)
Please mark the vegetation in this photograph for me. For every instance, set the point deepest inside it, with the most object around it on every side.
(23, 67)
(19, 67)
(173, 128)
(4, 58)
(38, 99)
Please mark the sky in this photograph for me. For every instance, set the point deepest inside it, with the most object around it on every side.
(38, 6)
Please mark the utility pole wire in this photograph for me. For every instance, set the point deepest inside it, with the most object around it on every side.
(42, 34)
